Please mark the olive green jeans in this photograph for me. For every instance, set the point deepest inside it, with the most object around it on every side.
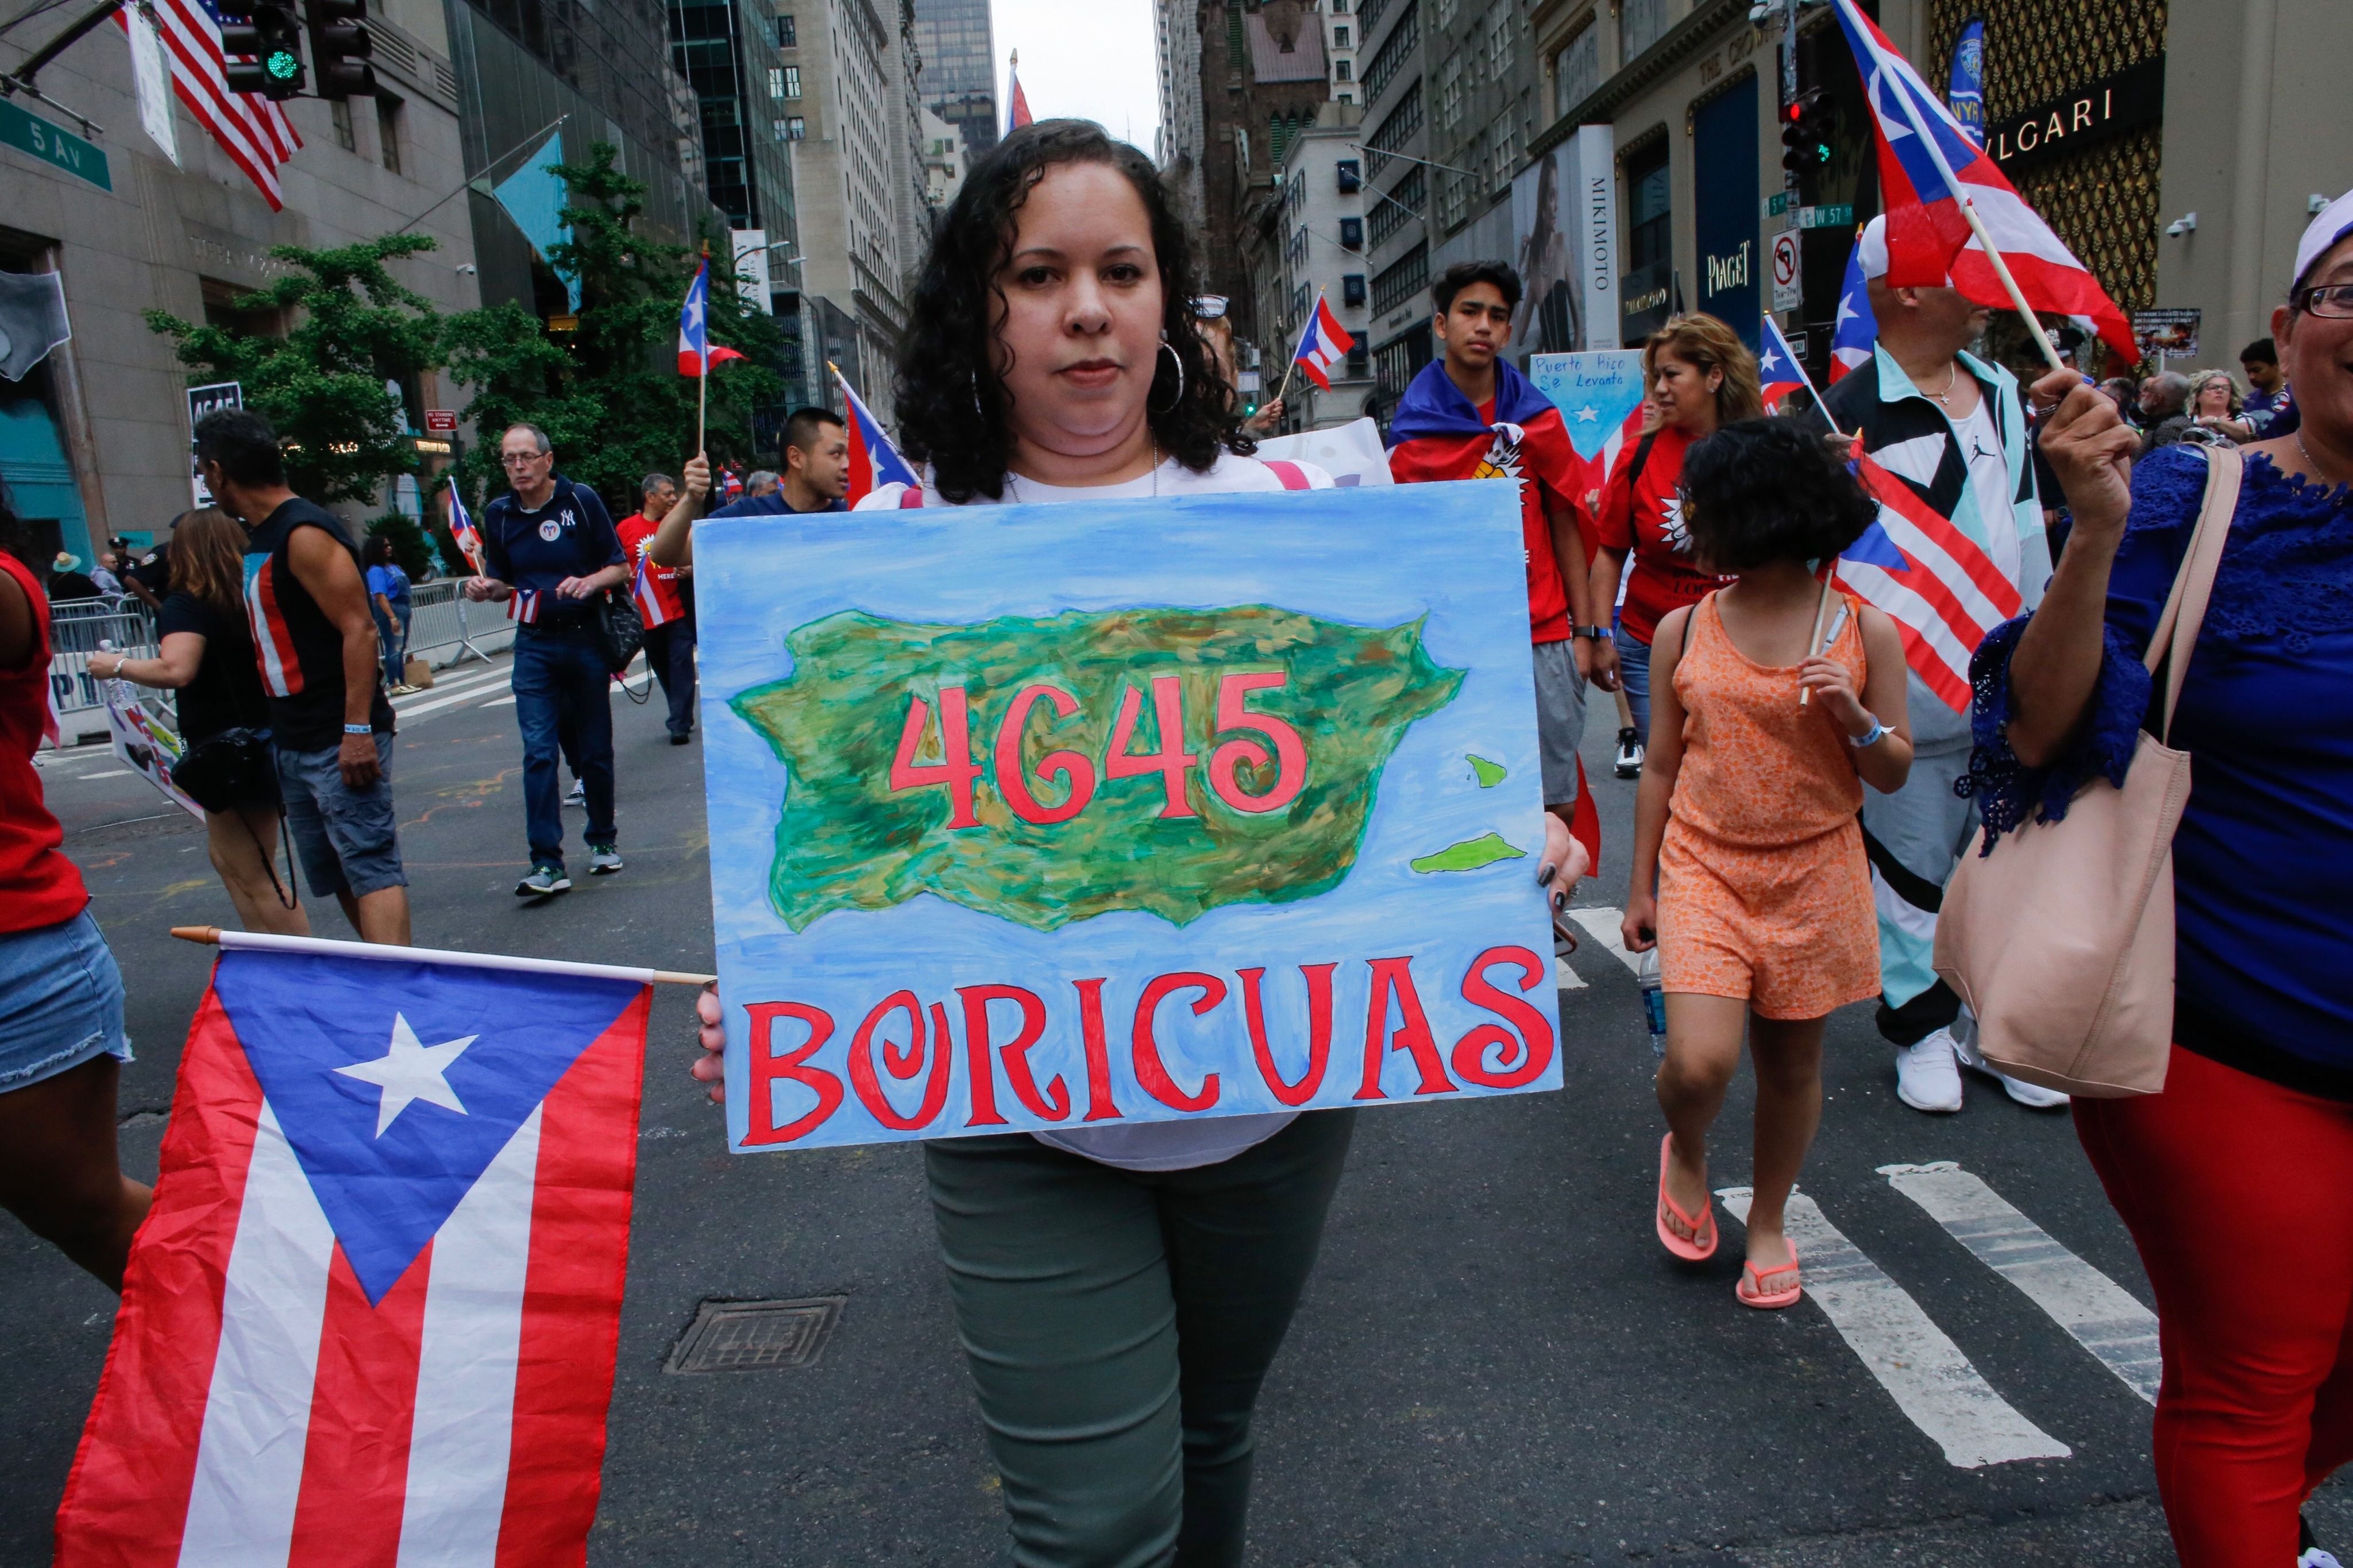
(1119, 1324)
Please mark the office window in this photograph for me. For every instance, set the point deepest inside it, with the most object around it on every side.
(1343, 70)
(1399, 49)
(1499, 43)
(787, 36)
(346, 135)
(1447, 11)
(1345, 98)
(1339, 7)
(796, 129)
(776, 81)
(387, 133)
(1360, 360)
(1576, 70)
(792, 81)
(1352, 288)
(1351, 173)
(1400, 282)
(1340, 38)
(1398, 207)
(1640, 23)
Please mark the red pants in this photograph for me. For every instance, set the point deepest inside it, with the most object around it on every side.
(2239, 1195)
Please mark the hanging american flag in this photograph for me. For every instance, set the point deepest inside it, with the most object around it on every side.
(254, 132)
(372, 1315)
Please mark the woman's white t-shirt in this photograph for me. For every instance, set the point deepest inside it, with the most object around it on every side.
(1150, 1145)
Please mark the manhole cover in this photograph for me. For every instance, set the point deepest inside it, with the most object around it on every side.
(755, 1336)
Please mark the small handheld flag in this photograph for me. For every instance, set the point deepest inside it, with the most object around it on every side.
(1941, 590)
(1777, 367)
(524, 608)
(873, 461)
(1855, 334)
(462, 529)
(374, 1313)
(1940, 189)
(1324, 345)
(696, 354)
(1017, 103)
(651, 609)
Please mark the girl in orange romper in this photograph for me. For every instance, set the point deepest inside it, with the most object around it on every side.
(1760, 743)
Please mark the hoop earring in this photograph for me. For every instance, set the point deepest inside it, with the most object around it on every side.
(1179, 361)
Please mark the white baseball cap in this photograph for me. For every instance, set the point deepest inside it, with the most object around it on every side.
(2320, 237)
(1872, 248)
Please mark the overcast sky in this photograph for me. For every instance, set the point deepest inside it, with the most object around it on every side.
(1088, 58)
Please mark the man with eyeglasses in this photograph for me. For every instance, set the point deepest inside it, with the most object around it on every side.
(548, 550)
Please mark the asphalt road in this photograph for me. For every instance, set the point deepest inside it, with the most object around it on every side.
(1495, 1363)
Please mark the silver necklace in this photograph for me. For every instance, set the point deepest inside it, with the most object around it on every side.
(2311, 467)
(1013, 480)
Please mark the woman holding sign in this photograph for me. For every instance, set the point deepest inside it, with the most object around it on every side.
(1121, 1291)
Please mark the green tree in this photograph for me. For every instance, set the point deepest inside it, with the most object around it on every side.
(609, 393)
(350, 328)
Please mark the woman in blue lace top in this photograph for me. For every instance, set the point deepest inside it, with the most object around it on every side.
(2237, 1181)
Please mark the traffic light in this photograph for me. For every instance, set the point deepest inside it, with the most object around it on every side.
(269, 31)
(1809, 127)
(340, 47)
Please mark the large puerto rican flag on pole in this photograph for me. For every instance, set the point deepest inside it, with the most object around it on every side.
(372, 1317)
(873, 461)
(1928, 167)
(1324, 345)
(1855, 333)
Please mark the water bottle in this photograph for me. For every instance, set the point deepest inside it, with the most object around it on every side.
(1655, 1000)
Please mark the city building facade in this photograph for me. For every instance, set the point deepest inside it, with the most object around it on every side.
(944, 159)
(1178, 145)
(94, 439)
(1305, 238)
(957, 81)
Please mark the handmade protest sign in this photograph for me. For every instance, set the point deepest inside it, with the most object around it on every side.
(1078, 815)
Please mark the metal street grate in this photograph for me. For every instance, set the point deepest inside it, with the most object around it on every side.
(756, 1336)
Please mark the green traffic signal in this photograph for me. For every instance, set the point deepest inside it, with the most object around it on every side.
(284, 65)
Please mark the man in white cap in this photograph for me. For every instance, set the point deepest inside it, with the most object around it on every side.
(1951, 427)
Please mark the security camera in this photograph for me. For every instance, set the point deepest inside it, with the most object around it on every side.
(466, 269)
(1760, 12)
(2182, 225)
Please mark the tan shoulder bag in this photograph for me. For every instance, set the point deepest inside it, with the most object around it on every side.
(2061, 941)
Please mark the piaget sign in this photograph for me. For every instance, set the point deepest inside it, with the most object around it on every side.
(2132, 97)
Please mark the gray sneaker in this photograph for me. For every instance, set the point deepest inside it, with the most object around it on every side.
(542, 881)
(604, 860)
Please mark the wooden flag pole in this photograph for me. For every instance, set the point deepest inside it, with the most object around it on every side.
(1814, 641)
(213, 936)
(2017, 295)
(703, 358)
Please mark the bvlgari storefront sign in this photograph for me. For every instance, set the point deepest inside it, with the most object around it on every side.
(2134, 96)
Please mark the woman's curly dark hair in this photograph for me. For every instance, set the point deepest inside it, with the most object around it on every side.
(953, 405)
(1761, 490)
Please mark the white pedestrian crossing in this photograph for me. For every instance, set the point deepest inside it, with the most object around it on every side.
(1913, 1360)
(2103, 1318)
(1603, 923)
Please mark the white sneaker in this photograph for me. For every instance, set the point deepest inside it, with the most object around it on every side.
(2316, 1558)
(1928, 1077)
(2031, 1095)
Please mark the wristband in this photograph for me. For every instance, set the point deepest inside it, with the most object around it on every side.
(359, 729)
(1872, 738)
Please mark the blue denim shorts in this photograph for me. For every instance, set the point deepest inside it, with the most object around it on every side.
(60, 1002)
(344, 837)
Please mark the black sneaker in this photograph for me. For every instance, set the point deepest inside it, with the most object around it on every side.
(1629, 753)
(542, 881)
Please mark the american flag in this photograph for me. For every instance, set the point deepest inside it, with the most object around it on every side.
(254, 132)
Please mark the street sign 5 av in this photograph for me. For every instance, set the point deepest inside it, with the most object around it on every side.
(54, 145)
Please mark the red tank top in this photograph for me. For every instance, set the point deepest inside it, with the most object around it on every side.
(38, 886)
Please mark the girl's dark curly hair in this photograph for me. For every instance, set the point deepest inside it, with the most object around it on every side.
(952, 405)
(1761, 490)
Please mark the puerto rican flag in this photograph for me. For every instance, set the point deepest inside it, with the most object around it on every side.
(1855, 334)
(652, 610)
(462, 529)
(1777, 367)
(696, 353)
(1929, 168)
(1324, 345)
(1017, 106)
(1941, 590)
(523, 609)
(372, 1317)
(273, 643)
(873, 461)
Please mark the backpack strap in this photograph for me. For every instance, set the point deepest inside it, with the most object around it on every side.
(1642, 458)
(1292, 476)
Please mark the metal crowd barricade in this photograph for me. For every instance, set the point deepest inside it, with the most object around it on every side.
(442, 622)
(78, 628)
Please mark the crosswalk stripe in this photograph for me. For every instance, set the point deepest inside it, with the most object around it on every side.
(451, 685)
(1564, 978)
(1919, 1366)
(2101, 1316)
(506, 701)
(474, 694)
(1603, 924)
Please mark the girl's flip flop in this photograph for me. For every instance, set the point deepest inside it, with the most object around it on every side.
(1783, 1295)
(1701, 1247)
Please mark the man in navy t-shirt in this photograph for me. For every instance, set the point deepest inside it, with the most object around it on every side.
(816, 469)
(549, 551)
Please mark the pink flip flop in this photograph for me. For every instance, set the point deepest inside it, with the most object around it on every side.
(1785, 1295)
(1702, 1246)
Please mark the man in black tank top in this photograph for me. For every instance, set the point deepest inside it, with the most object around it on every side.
(314, 642)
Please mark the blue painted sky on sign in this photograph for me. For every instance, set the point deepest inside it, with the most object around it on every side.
(1451, 553)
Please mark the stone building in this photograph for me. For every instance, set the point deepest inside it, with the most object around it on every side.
(1304, 236)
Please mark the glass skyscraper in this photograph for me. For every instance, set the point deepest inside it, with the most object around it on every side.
(958, 81)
